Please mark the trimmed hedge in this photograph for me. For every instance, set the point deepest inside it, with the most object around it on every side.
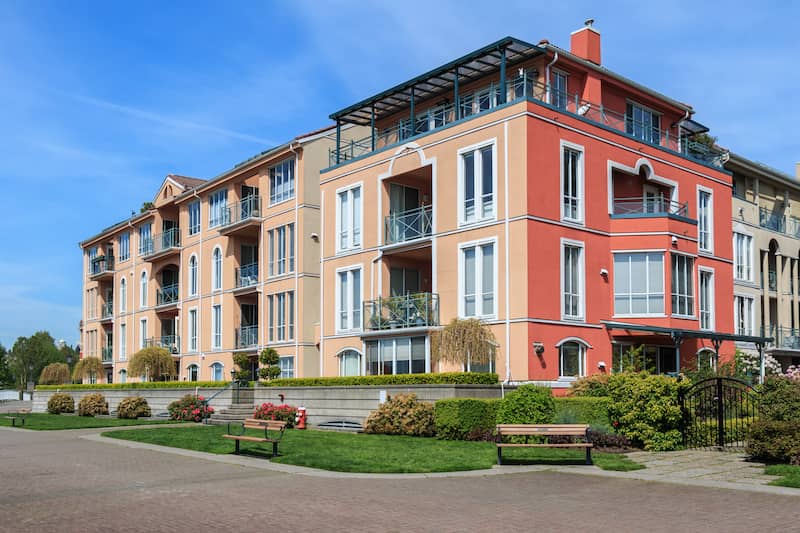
(141, 385)
(465, 418)
(444, 378)
(592, 410)
(529, 404)
(775, 440)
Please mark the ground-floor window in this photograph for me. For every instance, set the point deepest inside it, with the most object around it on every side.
(706, 360)
(216, 372)
(287, 366)
(571, 360)
(193, 372)
(403, 355)
(655, 359)
(488, 366)
(349, 363)
(123, 376)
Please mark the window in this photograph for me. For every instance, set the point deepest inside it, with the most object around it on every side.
(142, 333)
(216, 372)
(682, 285)
(487, 98)
(571, 360)
(92, 255)
(217, 203)
(124, 246)
(123, 295)
(742, 257)
(287, 366)
(743, 315)
(123, 376)
(571, 185)
(349, 299)
(194, 217)
(403, 355)
(193, 276)
(91, 303)
(349, 363)
(145, 239)
(348, 219)
(653, 359)
(281, 182)
(706, 282)
(216, 269)
(123, 342)
(281, 316)
(643, 123)
(216, 327)
(477, 183)
(193, 330)
(706, 360)
(559, 96)
(477, 280)
(281, 250)
(573, 282)
(143, 290)
(638, 283)
(489, 366)
(705, 217)
(193, 372)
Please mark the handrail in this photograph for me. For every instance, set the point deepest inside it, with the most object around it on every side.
(411, 310)
(247, 336)
(167, 294)
(101, 264)
(247, 208)
(648, 205)
(247, 275)
(408, 225)
(206, 401)
(161, 242)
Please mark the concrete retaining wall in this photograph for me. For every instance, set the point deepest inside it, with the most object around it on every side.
(157, 399)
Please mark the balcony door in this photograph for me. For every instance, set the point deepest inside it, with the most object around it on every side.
(249, 315)
(404, 281)
(249, 208)
(653, 199)
(406, 226)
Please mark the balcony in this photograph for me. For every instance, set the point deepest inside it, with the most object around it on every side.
(246, 337)
(167, 296)
(771, 220)
(247, 277)
(772, 281)
(171, 343)
(408, 225)
(107, 311)
(784, 338)
(242, 217)
(645, 207)
(107, 354)
(161, 245)
(101, 267)
(418, 310)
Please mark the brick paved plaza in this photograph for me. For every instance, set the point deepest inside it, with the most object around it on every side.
(56, 481)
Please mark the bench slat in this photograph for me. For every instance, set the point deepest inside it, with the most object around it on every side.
(567, 445)
(248, 438)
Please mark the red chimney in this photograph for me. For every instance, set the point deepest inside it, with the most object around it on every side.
(585, 43)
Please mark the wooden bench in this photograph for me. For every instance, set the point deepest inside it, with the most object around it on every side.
(543, 430)
(19, 415)
(277, 428)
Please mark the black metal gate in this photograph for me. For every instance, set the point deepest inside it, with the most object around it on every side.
(717, 412)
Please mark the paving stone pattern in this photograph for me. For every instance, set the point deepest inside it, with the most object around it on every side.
(703, 465)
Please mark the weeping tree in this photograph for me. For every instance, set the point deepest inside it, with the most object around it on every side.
(55, 374)
(86, 368)
(464, 341)
(154, 363)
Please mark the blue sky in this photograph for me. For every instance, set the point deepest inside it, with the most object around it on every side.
(100, 100)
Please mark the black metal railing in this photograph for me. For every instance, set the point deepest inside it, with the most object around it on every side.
(408, 225)
(171, 343)
(247, 208)
(167, 295)
(247, 275)
(101, 265)
(412, 310)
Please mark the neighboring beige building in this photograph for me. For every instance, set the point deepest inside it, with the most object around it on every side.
(766, 243)
(215, 267)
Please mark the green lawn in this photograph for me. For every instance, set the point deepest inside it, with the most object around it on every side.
(45, 421)
(791, 475)
(350, 452)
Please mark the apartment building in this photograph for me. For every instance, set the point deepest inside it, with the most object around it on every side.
(766, 243)
(526, 185)
(213, 268)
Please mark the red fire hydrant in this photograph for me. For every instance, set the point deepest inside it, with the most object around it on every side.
(300, 419)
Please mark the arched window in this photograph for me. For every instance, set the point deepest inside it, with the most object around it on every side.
(349, 363)
(192, 276)
(143, 290)
(123, 376)
(216, 372)
(216, 269)
(193, 372)
(571, 360)
(123, 295)
(706, 360)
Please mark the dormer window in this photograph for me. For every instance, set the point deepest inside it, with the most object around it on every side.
(643, 123)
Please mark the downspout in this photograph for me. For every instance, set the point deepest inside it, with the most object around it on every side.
(547, 76)
(296, 265)
(507, 258)
(199, 292)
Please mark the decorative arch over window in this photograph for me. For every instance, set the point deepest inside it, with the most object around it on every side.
(123, 376)
(193, 275)
(706, 359)
(193, 371)
(216, 269)
(143, 290)
(123, 295)
(217, 371)
(350, 362)
(572, 357)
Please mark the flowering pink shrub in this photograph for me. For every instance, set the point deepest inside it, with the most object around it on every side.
(793, 373)
(270, 411)
(190, 408)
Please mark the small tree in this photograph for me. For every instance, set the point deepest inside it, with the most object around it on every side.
(242, 360)
(154, 363)
(55, 374)
(269, 358)
(86, 368)
(463, 342)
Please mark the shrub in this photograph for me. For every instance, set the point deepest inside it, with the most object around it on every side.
(402, 414)
(190, 408)
(270, 411)
(529, 404)
(443, 378)
(60, 402)
(465, 418)
(133, 407)
(645, 408)
(774, 440)
(55, 374)
(594, 385)
(780, 399)
(242, 374)
(137, 385)
(269, 358)
(93, 404)
(582, 410)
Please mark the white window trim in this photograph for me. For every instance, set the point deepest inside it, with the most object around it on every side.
(582, 362)
(194, 290)
(189, 218)
(710, 192)
(214, 346)
(143, 301)
(752, 311)
(123, 342)
(123, 295)
(460, 186)
(338, 226)
(752, 265)
(566, 145)
(461, 274)
(189, 330)
(189, 371)
(360, 360)
(294, 179)
(211, 367)
(581, 280)
(294, 363)
(663, 284)
(215, 223)
(338, 299)
(214, 279)
(712, 297)
(695, 287)
(142, 332)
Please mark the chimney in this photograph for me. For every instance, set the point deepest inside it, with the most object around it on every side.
(585, 43)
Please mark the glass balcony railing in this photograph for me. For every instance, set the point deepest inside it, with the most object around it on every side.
(412, 310)
(248, 208)
(101, 265)
(772, 280)
(408, 225)
(108, 354)
(247, 336)
(162, 242)
(171, 343)
(167, 295)
(771, 220)
(107, 310)
(649, 206)
(247, 275)
(784, 337)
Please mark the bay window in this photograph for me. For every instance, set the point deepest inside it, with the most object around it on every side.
(639, 283)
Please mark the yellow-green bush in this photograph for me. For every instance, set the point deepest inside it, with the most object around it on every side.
(402, 414)
(465, 418)
(93, 404)
(60, 402)
(133, 407)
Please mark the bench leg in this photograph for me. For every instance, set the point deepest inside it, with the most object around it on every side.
(13, 422)
(274, 449)
(589, 456)
(236, 451)
(499, 455)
